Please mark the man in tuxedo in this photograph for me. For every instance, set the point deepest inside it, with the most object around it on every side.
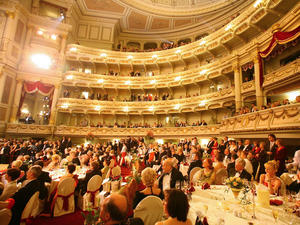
(4, 153)
(226, 142)
(210, 145)
(240, 169)
(231, 166)
(24, 194)
(247, 146)
(169, 176)
(271, 146)
(240, 145)
(196, 161)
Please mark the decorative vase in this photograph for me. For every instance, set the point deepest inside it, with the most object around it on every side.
(235, 192)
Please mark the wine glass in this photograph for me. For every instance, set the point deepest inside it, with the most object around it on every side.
(275, 214)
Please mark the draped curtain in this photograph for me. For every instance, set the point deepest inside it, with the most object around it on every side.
(32, 87)
(279, 38)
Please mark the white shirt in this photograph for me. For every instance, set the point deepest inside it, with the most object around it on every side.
(271, 144)
(248, 166)
(167, 181)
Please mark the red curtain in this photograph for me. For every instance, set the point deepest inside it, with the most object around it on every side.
(279, 38)
(32, 87)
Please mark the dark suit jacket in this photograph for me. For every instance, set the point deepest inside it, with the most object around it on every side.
(44, 177)
(248, 148)
(273, 150)
(245, 175)
(175, 176)
(231, 169)
(88, 176)
(197, 163)
(22, 196)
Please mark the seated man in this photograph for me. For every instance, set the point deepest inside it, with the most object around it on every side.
(169, 176)
(10, 188)
(295, 185)
(22, 196)
(113, 209)
(240, 169)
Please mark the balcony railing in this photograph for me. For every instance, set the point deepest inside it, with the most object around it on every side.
(198, 103)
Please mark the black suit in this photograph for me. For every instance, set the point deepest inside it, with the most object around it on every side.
(247, 148)
(4, 158)
(88, 176)
(245, 175)
(273, 150)
(197, 163)
(22, 196)
(210, 145)
(176, 175)
(231, 169)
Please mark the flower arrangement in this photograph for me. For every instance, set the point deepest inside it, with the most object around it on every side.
(235, 182)
(91, 216)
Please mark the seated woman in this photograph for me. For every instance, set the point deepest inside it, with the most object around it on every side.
(269, 179)
(55, 163)
(207, 174)
(179, 155)
(148, 179)
(176, 207)
(10, 188)
(218, 164)
(70, 170)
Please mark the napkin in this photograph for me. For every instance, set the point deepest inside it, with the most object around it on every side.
(276, 202)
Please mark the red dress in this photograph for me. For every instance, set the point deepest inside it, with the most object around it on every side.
(280, 155)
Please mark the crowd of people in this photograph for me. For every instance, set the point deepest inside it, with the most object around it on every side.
(158, 165)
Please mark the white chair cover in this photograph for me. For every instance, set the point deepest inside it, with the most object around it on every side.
(192, 173)
(31, 209)
(150, 210)
(93, 189)
(65, 187)
(5, 216)
(116, 171)
(221, 175)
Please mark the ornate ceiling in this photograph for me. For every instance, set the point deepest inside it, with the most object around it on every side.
(163, 16)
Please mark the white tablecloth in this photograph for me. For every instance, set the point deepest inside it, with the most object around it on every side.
(222, 206)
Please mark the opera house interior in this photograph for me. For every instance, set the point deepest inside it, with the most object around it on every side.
(142, 111)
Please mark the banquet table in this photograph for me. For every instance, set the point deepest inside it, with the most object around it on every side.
(220, 207)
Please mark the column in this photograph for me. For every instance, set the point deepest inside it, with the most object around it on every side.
(9, 29)
(63, 45)
(17, 97)
(28, 36)
(237, 87)
(2, 82)
(260, 98)
(53, 111)
(35, 7)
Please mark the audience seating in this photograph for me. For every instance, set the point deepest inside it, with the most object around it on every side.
(31, 209)
(150, 210)
(92, 195)
(192, 173)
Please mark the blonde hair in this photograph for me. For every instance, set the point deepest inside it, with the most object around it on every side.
(16, 164)
(148, 176)
(55, 157)
(274, 164)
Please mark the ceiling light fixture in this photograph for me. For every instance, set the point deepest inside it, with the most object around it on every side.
(203, 42)
(65, 105)
(98, 107)
(103, 54)
(130, 57)
(100, 81)
(151, 108)
(154, 56)
(202, 103)
(73, 49)
(40, 32)
(126, 109)
(127, 82)
(53, 37)
(152, 81)
(257, 3)
(178, 51)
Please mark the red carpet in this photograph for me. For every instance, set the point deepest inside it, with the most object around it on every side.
(70, 219)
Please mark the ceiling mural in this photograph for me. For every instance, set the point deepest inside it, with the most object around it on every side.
(141, 16)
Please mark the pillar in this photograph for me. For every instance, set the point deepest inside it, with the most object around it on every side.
(53, 111)
(28, 36)
(237, 87)
(9, 29)
(260, 98)
(2, 82)
(17, 97)
(63, 44)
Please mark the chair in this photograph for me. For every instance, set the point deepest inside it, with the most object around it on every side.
(221, 175)
(5, 216)
(150, 210)
(31, 209)
(192, 173)
(63, 202)
(92, 193)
